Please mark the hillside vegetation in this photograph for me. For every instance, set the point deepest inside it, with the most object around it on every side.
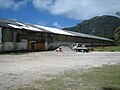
(103, 26)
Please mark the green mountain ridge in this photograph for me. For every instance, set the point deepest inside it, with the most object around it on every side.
(103, 26)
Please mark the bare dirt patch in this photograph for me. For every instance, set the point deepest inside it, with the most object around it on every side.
(17, 70)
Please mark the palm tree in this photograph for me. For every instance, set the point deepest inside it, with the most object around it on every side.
(117, 36)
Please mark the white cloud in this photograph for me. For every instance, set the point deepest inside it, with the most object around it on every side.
(57, 25)
(42, 4)
(42, 23)
(74, 9)
(11, 4)
(20, 4)
(6, 3)
(78, 9)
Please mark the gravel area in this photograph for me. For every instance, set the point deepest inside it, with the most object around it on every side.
(16, 70)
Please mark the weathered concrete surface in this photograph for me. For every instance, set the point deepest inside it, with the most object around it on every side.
(21, 45)
(22, 69)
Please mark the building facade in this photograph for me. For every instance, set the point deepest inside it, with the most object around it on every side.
(17, 36)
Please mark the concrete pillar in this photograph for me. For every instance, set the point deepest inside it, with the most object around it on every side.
(0, 38)
(46, 41)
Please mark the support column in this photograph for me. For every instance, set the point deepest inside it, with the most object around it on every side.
(46, 41)
(0, 39)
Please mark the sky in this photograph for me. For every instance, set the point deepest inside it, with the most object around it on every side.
(57, 13)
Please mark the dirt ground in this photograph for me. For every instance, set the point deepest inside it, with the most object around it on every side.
(17, 70)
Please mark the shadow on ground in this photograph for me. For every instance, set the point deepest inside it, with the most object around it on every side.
(110, 88)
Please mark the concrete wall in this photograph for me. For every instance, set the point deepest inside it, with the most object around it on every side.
(21, 45)
(57, 44)
(0, 34)
(0, 38)
(8, 46)
(7, 35)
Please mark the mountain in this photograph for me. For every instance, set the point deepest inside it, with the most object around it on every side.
(103, 26)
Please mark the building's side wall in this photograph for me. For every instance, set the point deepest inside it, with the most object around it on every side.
(56, 40)
(20, 40)
(0, 38)
(8, 46)
(36, 41)
(7, 38)
(11, 41)
(7, 35)
(21, 45)
(16, 39)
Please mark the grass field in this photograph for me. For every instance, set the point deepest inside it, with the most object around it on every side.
(101, 78)
(109, 48)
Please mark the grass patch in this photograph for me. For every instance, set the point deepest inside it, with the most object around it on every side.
(106, 78)
(108, 48)
(103, 78)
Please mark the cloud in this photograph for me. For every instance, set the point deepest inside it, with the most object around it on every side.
(78, 9)
(42, 23)
(20, 4)
(74, 9)
(12, 4)
(6, 4)
(43, 4)
(57, 25)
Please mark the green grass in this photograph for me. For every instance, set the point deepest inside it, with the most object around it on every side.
(108, 48)
(103, 78)
(106, 78)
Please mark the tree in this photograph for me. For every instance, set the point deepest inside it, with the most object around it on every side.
(117, 36)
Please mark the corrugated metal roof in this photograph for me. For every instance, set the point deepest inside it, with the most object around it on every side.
(4, 24)
(55, 30)
(20, 25)
(88, 36)
(26, 26)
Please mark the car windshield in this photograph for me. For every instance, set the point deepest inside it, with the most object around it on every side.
(79, 45)
(83, 45)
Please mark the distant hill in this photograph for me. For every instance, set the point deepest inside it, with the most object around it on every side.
(103, 26)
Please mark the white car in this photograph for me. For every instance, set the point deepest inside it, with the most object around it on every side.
(81, 47)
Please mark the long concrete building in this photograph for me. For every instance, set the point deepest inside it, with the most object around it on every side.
(16, 36)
